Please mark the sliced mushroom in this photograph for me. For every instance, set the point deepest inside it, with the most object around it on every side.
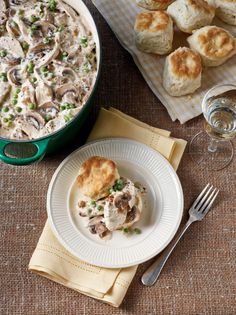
(13, 76)
(43, 93)
(28, 93)
(60, 19)
(49, 57)
(17, 2)
(64, 89)
(12, 29)
(69, 73)
(23, 30)
(12, 45)
(68, 10)
(49, 108)
(31, 125)
(122, 200)
(97, 226)
(39, 47)
(132, 216)
(106, 235)
(4, 90)
(45, 27)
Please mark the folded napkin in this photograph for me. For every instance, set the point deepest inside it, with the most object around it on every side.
(51, 260)
(120, 15)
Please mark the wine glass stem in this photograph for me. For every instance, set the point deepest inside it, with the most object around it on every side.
(213, 146)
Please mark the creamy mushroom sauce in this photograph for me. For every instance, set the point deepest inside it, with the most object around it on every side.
(47, 67)
(119, 210)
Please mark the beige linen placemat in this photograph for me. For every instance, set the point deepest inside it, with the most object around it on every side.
(51, 260)
(120, 15)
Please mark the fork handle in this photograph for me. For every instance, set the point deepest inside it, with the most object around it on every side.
(151, 275)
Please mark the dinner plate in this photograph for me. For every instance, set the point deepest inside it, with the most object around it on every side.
(162, 205)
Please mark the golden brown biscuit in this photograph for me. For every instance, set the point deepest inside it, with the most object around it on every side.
(153, 32)
(182, 72)
(96, 176)
(214, 44)
(154, 4)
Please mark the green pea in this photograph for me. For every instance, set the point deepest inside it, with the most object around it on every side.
(110, 191)
(25, 45)
(13, 23)
(5, 109)
(84, 41)
(64, 56)
(48, 117)
(34, 27)
(30, 67)
(14, 101)
(89, 211)
(3, 53)
(3, 76)
(125, 230)
(32, 106)
(10, 117)
(46, 40)
(86, 68)
(100, 208)
(120, 182)
(18, 90)
(18, 109)
(21, 12)
(93, 203)
(52, 5)
(33, 80)
(34, 18)
(9, 123)
(137, 231)
(44, 69)
(67, 118)
(62, 107)
(5, 120)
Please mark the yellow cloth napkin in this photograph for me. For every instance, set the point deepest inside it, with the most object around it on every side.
(51, 260)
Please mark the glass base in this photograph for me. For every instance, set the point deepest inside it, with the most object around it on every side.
(214, 159)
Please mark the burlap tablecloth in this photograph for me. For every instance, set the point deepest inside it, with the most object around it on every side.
(199, 278)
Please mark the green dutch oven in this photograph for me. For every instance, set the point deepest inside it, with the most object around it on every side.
(24, 152)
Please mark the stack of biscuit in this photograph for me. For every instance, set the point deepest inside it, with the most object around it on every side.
(209, 45)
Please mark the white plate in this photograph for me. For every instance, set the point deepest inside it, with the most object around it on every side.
(161, 216)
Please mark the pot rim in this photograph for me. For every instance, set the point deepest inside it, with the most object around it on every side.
(85, 104)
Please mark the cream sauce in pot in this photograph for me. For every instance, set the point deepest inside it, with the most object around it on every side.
(48, 67)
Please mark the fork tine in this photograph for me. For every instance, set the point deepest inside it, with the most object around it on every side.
(211, 202)
(201, 202)
(207, 202)
(200, 196)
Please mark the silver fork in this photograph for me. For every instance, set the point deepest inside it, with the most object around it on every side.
(197, 212)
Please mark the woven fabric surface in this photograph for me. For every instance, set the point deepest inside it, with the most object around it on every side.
(199, 277)
(120, 15)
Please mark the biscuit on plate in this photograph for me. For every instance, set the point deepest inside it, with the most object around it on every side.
(182, 72)
(154, 4)
(154, 32)
(96, 176)
(226, 11)
(214, 44)
(190, 15)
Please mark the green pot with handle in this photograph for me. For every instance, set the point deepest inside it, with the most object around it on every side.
(24, 152)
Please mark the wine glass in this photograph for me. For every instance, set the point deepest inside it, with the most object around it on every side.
(213, 148)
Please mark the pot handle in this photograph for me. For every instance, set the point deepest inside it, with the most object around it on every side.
(41, 147)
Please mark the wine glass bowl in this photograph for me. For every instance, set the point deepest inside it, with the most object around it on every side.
(212, 147)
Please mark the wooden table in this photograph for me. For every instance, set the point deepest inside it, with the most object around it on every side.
(198, 279)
